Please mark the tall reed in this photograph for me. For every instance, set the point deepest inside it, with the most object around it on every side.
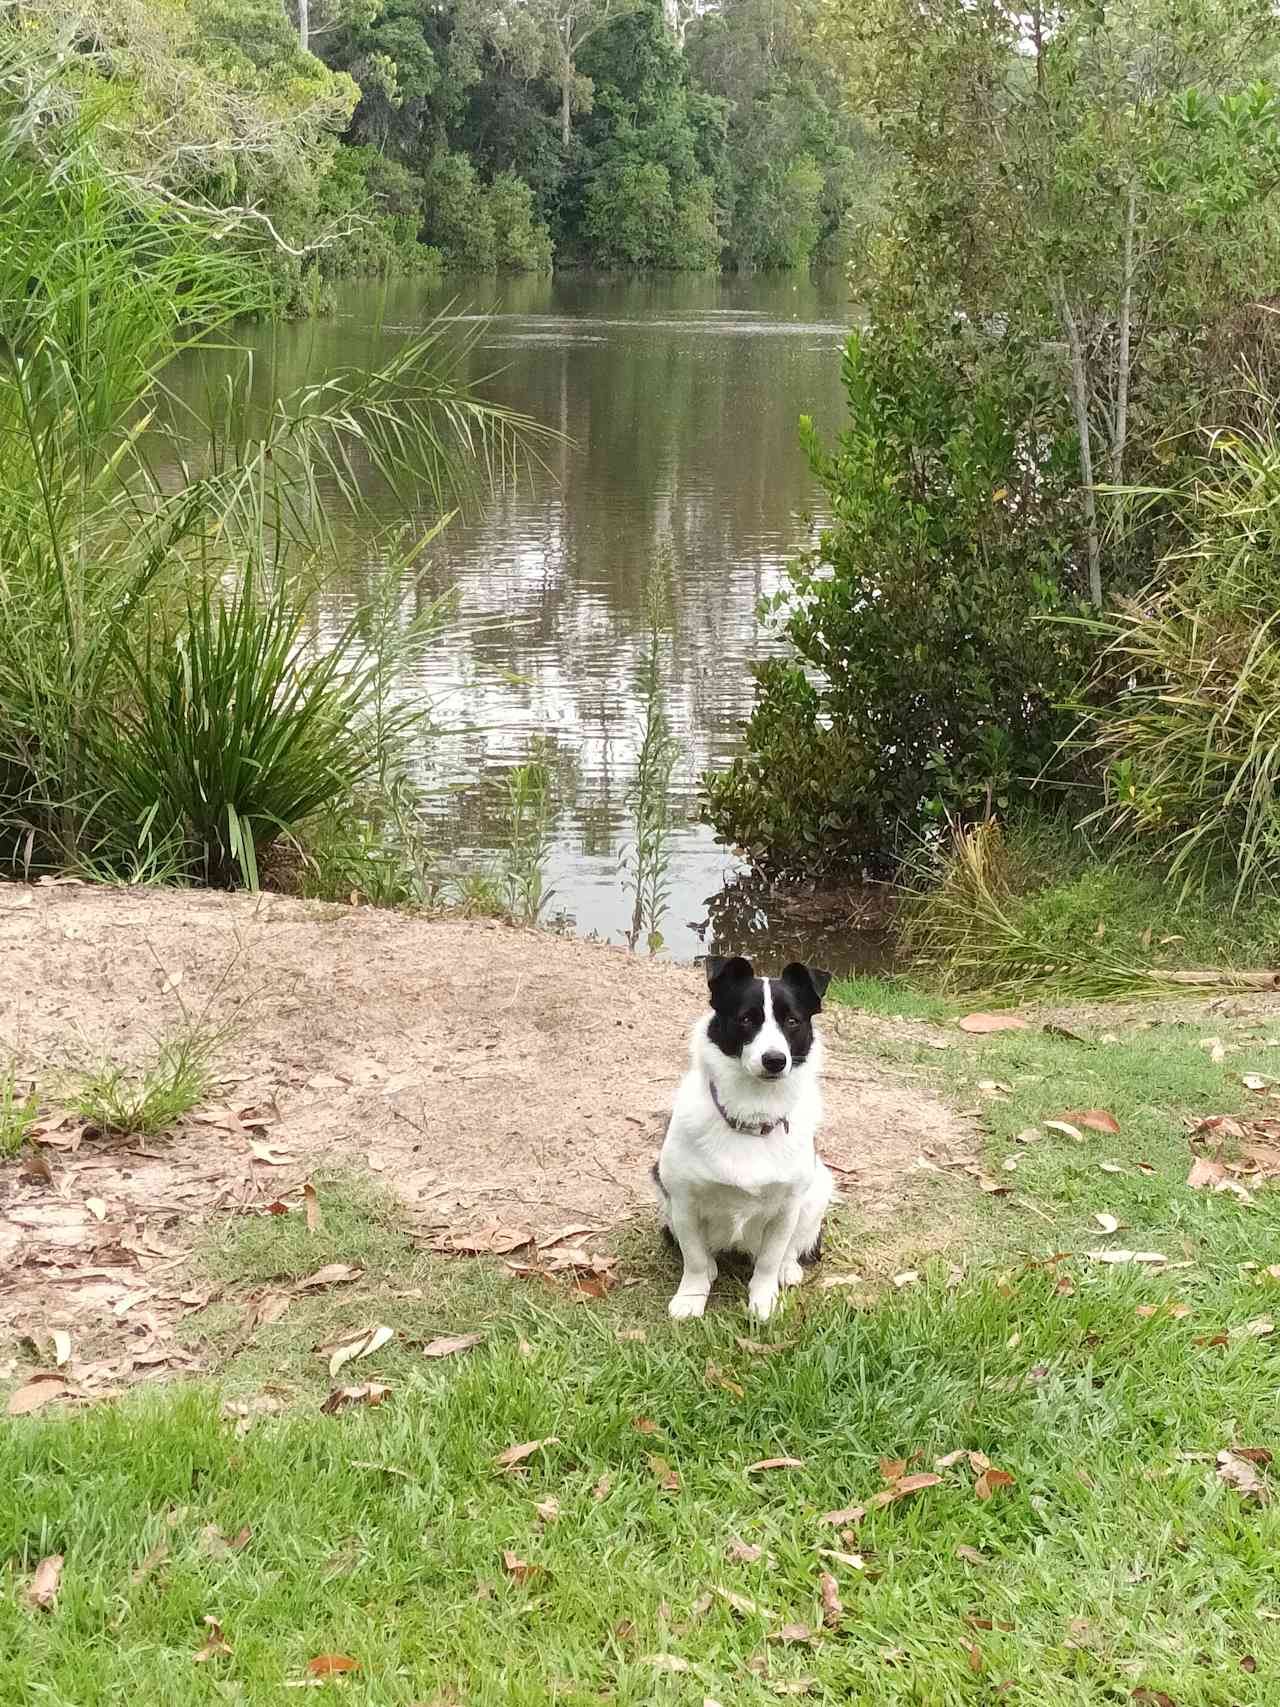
(646, 862)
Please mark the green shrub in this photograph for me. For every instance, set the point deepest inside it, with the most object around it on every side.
(924, 682)
(523, 243)
(458, 217)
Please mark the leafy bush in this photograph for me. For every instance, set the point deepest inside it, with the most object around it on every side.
(523, 243)
(1189, 739)
(924, 681)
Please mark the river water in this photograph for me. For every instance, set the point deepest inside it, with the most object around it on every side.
(679, 399)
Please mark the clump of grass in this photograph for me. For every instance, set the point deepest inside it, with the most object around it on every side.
(646, 864)
(528, 846)
(18, 1107)
(148, 1098)
(987, 914)
(1185, 729)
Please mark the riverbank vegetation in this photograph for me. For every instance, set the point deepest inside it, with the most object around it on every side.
(365, 136)
(1047, 589)
(167, 709)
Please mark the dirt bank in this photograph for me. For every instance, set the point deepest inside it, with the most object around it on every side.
(493, 1078)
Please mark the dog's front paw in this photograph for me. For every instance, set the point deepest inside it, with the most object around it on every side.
(686, 1305)
(792, 1274)
(761, 1300)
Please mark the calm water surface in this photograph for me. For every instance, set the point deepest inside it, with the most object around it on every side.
(679, 399)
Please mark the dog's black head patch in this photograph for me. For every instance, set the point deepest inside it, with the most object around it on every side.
(744, 1006)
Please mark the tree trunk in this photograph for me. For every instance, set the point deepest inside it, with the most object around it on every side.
(304, 25)
(566, 89)
(1080, 402)
(1120, 424)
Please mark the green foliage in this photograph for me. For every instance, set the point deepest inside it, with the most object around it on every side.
(147, 1099)
(528, 841)
(1011, 911)
(522, 243)
(158, 710)
(646, 864)
(18, 1108)
(926, 683)
(1189, 684)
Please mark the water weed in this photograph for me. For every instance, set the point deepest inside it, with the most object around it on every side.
(645, 864)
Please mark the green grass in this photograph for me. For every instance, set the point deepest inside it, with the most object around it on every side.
(379, 1534)
(16, 1113)
(889, 998)
(1119, 1558)
(147, 1099)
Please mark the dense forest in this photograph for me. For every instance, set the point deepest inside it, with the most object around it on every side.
(373, 134)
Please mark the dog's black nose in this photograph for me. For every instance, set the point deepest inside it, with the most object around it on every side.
(773, 1062)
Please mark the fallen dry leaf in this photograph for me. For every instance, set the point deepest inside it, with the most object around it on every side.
(329, 1665)
(1095, 1119)
(520, 1570)
(361, 1345)
(61, 1346)
(488, 1241)
(601, 1489)
(775, 1464)
(449, 1344)
(791, 1633)
(1067, 1130)
(982, 1023)
(644, 1425)
(1128, 1256)
(990, 1480)
(1153, 1698)
(832, 1607)
(1256, 1081)
(1242, 1474)
(856, 1561)
(1108, 1223)
(667, 1477)
(971, 1555)
(153, 1560)
(892, 1468)
(38, 1391)
(43, 1591)
(666, 1662)
(740, 1603)
(311, 1203)
(369, 1393)
(714, 1376)
(268, 1155)
(908, 1277)
(628, 1334)
(743, 1554)
(830, 1281)
(215, 1543)
(792, 1686)
(517, 1454)
(332, 1274)
(215, 1646)
(1217, 1177)
(96, 1207)
(548, 1510)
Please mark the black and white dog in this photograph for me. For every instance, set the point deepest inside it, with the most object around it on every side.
(738, 1170)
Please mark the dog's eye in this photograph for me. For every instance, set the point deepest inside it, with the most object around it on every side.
(754, 1018)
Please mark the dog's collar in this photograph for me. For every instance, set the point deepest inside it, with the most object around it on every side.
(750, 1128)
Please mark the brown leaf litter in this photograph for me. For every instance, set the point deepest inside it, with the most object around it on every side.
(358, 1032)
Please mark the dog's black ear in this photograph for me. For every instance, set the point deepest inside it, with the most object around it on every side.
(723, 973)
(807, 984)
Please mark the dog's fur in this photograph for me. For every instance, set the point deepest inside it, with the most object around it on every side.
(738, 1170)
